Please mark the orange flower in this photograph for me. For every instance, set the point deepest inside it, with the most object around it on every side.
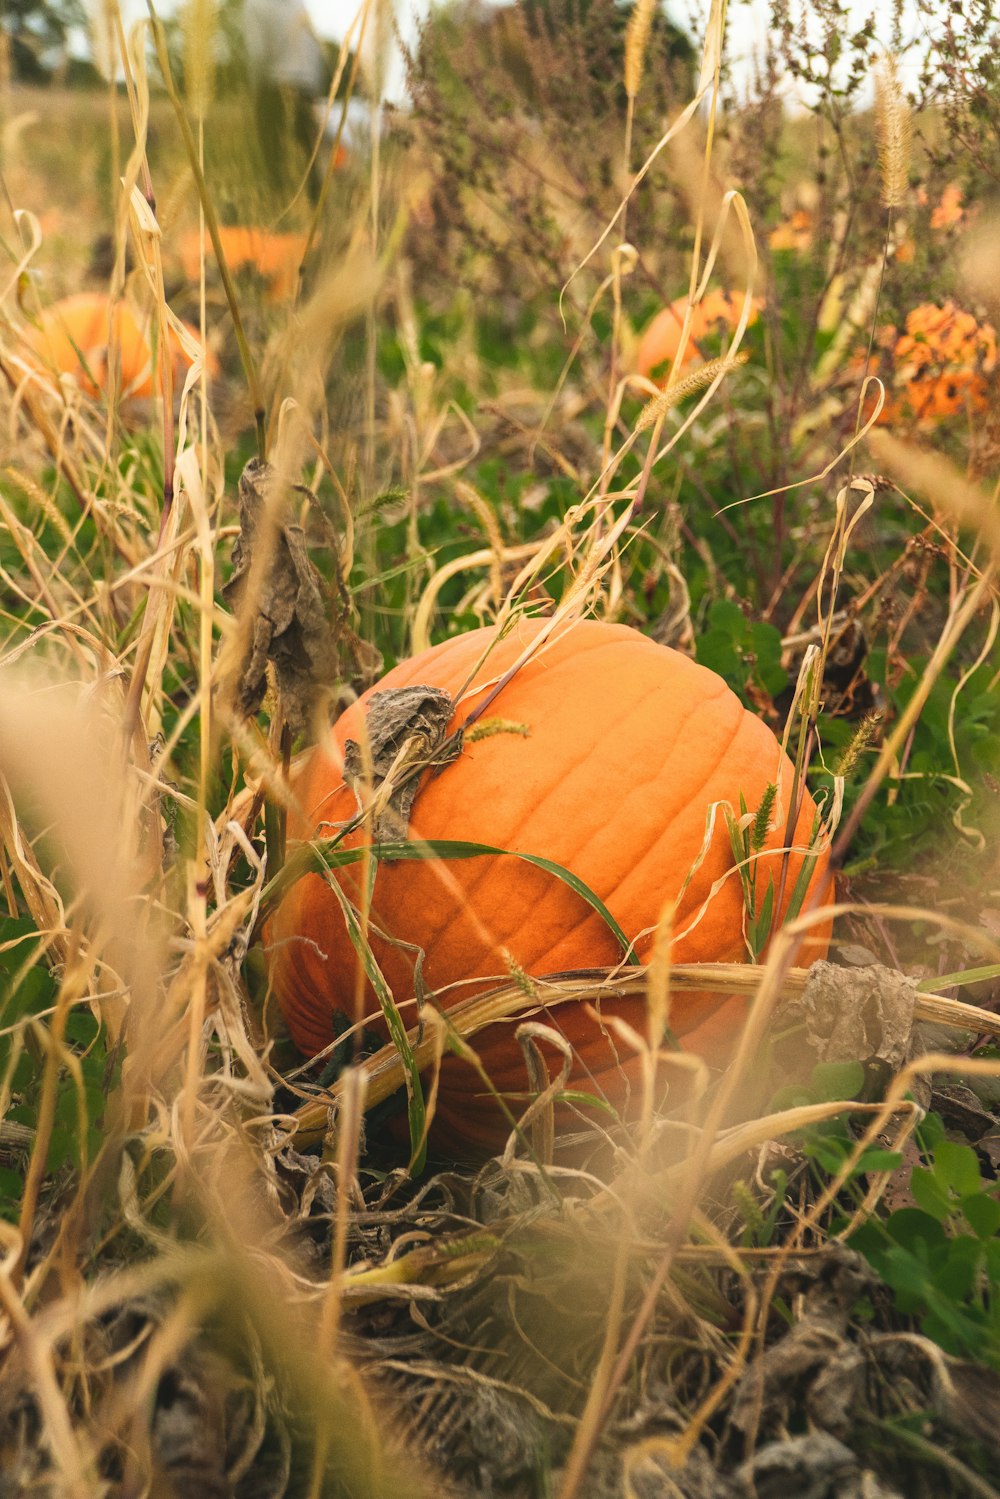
(939, 366)
(75, 336)
(949, 211)
(716, 312)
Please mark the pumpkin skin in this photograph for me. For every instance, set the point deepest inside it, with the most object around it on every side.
(72, 339)
(662, 337)
(275, 257)
(629, 743)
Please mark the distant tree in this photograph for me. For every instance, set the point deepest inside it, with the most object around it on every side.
(37, 35)
(522, 110)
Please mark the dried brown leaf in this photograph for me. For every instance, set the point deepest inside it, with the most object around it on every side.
(281, 601)
(858, 1014)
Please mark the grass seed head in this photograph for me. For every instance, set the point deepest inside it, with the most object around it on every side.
(636, 40)
(198, 23)
(894, 130)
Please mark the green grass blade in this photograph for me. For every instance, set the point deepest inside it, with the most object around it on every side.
(963, 976)
(319, 856)
(415, 1107)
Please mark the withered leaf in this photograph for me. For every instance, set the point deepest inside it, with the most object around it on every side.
(407, 732)
(288, 621)
(858, 1014)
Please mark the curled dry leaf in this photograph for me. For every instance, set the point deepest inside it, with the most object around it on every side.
(858, 1014)
(407, 732)
(278, 594)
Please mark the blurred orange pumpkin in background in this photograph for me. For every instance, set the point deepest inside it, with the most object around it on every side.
(276, 258)
(74, 336)
(717, 312)
(794, 233)
(608, 755)
(938, 366)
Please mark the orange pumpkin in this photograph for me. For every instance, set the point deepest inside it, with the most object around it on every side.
(794, 233)
(275, 257)
(938, 366)
(73, 337)
(717, 311)
(609, 752)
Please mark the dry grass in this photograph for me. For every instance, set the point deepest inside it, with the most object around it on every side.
(215, 1289)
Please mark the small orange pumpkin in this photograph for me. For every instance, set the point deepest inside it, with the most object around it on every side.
(794, 233)
(275, 257)
(73, 337)
(609, 752)
(659, 344)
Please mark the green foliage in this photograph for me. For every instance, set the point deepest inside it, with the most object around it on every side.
(740, 650)
(921, 816)
(941, 1258)
(829, 1144)
(746, 841)
(27, 993)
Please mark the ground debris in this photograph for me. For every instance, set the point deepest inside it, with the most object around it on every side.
(816, 1466)
(485, 1376)
(207, 1430)
(828, 1289)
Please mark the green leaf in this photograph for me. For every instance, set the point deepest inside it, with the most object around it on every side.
(416, 1111)
(794, 1096)
(11, 1190)
(954, 1333)
(829, 1153)
(773, 679)
(929, 1195)
(715, 649)
(879, 1160)
(35, 992)
(982, 1213)
(910, 1227)
(961, 976)
(19, 930)
(590, 1101)
(991, 1251)
(832, 1081)
(803, 877)
(724, 615)
(957, 1166)
(869, 1239)
(930, 1133)
(765, 642)
(82, 1028)
(956, 1278)
(760, 927)
(907, 1275)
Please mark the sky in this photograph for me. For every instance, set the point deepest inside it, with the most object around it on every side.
(748, 25)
